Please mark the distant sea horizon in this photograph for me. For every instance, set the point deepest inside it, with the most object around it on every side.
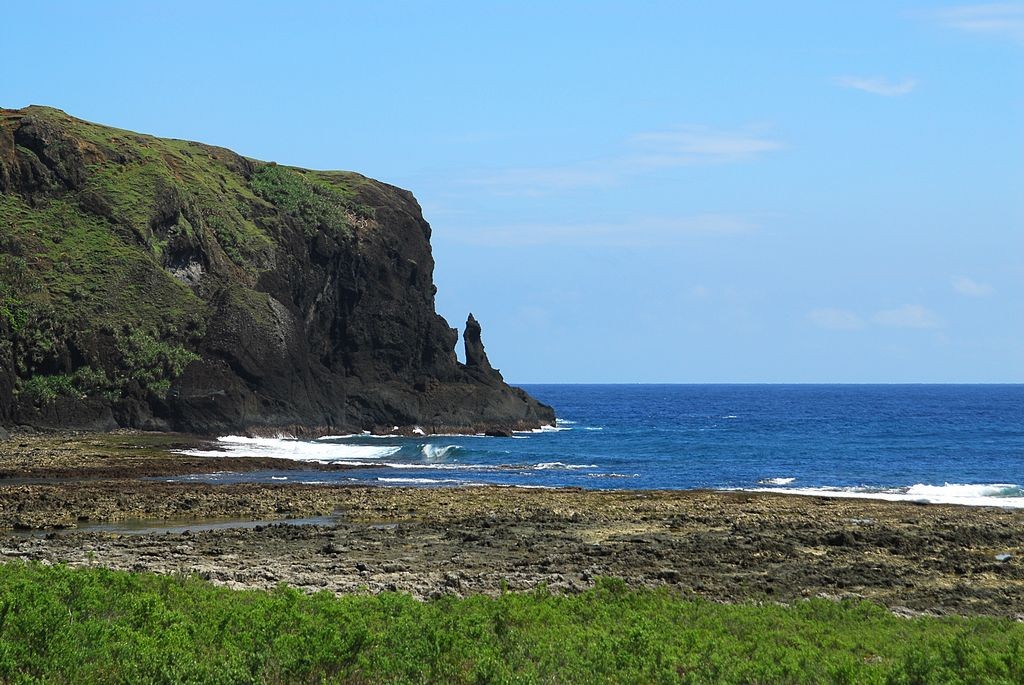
(882, 383)
(922, 442)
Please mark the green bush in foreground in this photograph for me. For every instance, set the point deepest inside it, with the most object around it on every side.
(94, 625)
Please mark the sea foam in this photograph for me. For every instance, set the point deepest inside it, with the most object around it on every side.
(437, 452)
(298, 450)
(423, 481)
(776, 481)
(987, 495)
(547, 428)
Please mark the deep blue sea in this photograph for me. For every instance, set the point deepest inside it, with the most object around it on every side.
(940, 443)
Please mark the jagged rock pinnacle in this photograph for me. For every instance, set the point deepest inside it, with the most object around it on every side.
(476, 357)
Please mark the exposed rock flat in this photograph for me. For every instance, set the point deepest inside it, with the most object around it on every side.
(723, 546)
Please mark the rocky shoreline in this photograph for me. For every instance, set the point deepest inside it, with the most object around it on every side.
(939, 559)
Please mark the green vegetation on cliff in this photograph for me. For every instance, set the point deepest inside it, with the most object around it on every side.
(94, 625)
(320, 204)
(168, 285)
(97, 234)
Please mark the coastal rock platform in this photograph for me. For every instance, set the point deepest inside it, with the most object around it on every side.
(721, 546)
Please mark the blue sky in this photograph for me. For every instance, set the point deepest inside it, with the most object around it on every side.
(625, 191)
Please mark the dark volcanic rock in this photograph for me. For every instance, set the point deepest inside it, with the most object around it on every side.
(170, 285)
(476, 357)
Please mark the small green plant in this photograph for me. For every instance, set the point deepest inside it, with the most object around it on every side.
(154, 363)
(46, 389)
(88, 378)
(318, 204)
(15, 282)
(14, 313)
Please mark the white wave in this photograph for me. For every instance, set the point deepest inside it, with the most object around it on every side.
(298, 450)
(566, 422)
(364, 434)
(438, 467)
(526, 487)
(730, 416)
(506, 468)
(420, 466)
(976, 495)
(593, 428)
(435, 452)
(613, 475)
(417, 432)
(546, 429)
(279, 478)
(545, 465)
(964, 490)
(433, 435)
(424, 481)
(776, 481)
(347, 436)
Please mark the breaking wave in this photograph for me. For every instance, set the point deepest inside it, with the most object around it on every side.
(978, 495)
(547, 429)
(349, 436)
(297, 450)
(422, 481)
(435, 452)
(543, 466)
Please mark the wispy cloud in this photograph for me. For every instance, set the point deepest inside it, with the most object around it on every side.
(971, 288)
(877, 85)
(644, 232)
(1003, 20)
(703, 145)
(644, 153)
(835, 319)
(545, 180)
(908, 316)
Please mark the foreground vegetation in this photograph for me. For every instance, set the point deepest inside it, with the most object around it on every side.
(95, 625)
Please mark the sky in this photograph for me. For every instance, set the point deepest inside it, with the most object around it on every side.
(623, 192)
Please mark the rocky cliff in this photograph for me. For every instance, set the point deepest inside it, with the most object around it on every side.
(170, 285)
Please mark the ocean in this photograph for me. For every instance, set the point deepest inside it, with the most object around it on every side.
(928, 443)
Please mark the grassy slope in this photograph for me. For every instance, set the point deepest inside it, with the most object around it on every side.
(94, 625)
(92, 260)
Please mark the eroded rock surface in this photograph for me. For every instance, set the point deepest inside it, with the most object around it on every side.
(724, 546)
(168, 285)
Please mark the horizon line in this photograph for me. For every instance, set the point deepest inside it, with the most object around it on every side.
(766, 383)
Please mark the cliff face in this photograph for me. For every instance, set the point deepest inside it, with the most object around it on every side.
(169, 285)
